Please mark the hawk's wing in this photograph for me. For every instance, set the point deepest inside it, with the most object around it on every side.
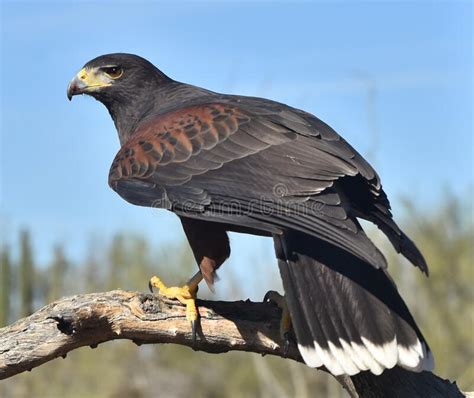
(253, 163)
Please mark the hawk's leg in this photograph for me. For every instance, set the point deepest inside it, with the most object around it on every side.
(210, 245)
(185, 294)
(285, 322)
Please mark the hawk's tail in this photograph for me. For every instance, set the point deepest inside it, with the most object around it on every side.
(347, 315)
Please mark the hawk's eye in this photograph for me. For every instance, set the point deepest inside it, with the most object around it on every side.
(114, 72)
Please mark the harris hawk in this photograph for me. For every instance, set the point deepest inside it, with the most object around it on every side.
(251, 165)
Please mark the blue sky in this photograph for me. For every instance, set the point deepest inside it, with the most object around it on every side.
(395, 79)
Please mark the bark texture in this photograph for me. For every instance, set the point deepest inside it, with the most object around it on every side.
(95, 318)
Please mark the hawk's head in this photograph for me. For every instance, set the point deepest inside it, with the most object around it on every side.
(115, 77)
(126, 84)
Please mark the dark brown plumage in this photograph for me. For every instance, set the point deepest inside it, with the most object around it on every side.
(232, 163)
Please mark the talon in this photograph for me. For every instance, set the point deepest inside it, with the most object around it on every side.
(150, 286)
(193, 331)
(286, 344)
(273, 297)
(266, 298)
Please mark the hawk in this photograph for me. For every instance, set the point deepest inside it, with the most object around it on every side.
(251, 165)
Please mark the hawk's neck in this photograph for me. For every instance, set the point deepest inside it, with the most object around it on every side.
(129, 112)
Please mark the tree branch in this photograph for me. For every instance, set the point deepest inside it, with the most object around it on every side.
(95, 318)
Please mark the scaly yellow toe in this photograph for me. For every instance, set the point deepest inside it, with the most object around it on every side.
(185, 294)
(280, 301)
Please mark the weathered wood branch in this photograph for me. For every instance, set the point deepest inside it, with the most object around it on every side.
(95, 318)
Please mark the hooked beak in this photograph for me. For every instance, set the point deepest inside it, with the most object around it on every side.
(86, 81)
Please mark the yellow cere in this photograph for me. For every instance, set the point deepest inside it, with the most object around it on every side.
(93, 79)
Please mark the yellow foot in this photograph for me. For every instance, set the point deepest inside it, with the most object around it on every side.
(185, 295)
(285, 322)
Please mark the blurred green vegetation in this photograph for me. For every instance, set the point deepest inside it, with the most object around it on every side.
(443, 306)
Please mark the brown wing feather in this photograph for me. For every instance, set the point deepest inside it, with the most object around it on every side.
(186, 161)
(173, 138)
